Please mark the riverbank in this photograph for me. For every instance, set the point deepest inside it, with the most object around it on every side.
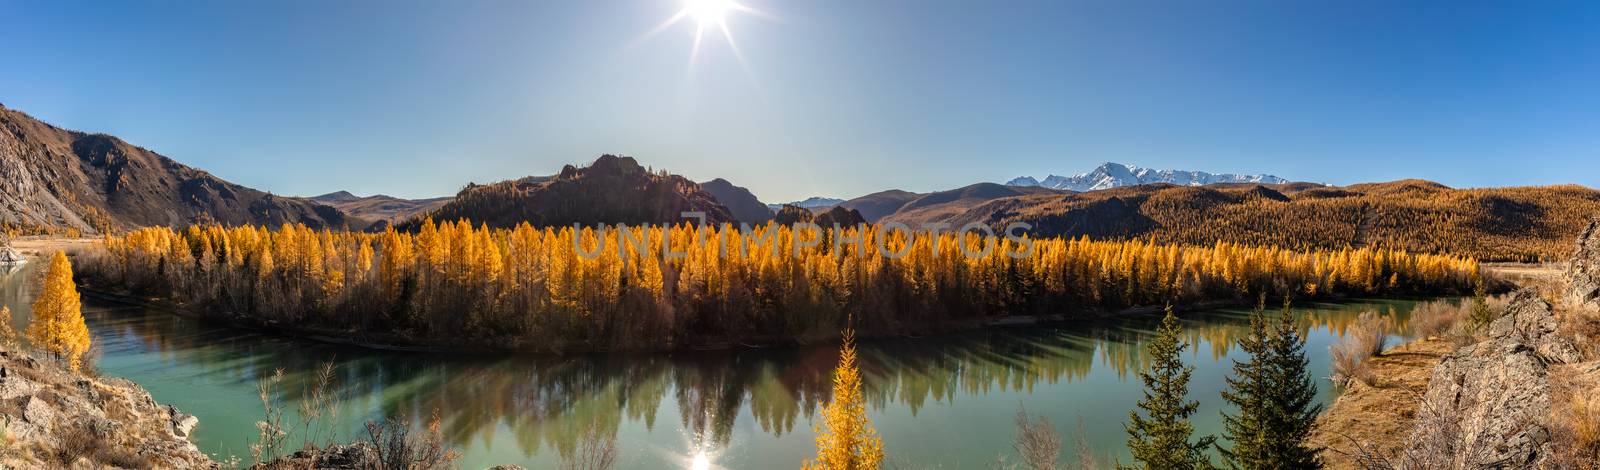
(1368, 418)
(55, 418)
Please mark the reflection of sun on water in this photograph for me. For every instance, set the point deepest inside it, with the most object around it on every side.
(700, 462)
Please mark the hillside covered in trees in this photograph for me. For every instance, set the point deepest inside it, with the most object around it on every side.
(464, 286)
(611, 190)
(1497, 224)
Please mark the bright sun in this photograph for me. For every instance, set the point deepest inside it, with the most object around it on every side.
(708, 12)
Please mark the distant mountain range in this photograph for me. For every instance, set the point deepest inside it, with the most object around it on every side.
(379, 207)
(814, 202)
(53, 179)
(1116, 175)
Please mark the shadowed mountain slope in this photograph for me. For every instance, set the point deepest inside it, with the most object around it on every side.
(743, 205)
(54, 179)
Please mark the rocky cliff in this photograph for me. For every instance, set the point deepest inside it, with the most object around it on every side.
(1487, 404)
(58, 419)
(1583, 270)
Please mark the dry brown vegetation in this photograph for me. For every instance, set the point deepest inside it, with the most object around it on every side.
(1363, 341)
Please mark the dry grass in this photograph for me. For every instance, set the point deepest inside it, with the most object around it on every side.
(1575, 415)
(1377, 418)
(1433, 319)
(1365, 339)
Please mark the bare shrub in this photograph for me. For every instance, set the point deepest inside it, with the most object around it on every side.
(1036, 442)
(1434, 319)
(75, 444)
(399, 449)
(1364, 339)
(596, 451)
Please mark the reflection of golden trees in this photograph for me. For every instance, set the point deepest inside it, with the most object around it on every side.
(547, 403)
(529, 288)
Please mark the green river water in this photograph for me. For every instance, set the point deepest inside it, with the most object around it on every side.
(946, 402)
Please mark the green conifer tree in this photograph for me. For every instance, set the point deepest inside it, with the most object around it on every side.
(1160, 439)
(1247, 391)
(1276, 398)
(1292, 399)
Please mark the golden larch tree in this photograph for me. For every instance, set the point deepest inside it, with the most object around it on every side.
(850, 443)
(57, 324)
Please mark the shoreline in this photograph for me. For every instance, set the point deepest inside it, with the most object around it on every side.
(1379, 415)
(398, 343)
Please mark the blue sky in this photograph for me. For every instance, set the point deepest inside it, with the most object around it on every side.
(837, 98)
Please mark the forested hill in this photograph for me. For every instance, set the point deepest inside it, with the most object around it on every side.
(1498, 224)
(53, 179)
(611, 190)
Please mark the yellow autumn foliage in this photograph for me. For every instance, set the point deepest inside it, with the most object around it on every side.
(849, 442)
(57, 325)
(535, 288)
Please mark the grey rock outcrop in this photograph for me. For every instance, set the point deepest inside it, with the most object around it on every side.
(46, 408)
(1487, 403)
(1583, 270)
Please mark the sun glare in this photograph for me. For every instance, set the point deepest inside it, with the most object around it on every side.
(700, 462)
(708, 12)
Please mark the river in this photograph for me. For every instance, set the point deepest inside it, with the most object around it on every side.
(946, 401)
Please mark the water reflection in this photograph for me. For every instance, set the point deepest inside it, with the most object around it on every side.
(735, 408)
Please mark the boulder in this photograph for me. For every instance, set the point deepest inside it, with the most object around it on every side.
(1529, 321)
(12, 387)
(36, 411)
(1487, 403)
(182, 423)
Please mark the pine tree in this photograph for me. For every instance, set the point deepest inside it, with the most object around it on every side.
(1247, 391)
(57, 324)
(850, 442)
(1160, 439)
(1292, 402)
(1276, 399)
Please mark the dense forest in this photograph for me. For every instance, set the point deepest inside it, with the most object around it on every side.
(528, 288)
(1496, 224)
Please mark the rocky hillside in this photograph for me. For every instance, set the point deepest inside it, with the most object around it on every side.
(611, 190)
(55, 179)
(1470, 417)
(1500, 224)
(740, 202)
(379, 207)
(58, 419)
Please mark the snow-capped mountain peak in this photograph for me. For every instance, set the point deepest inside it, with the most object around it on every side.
(1112, 175)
